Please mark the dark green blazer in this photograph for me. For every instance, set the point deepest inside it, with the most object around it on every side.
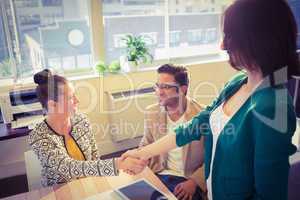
(252, 152)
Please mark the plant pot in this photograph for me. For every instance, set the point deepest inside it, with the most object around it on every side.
(127, 66)
(132, 65)
(124, 65)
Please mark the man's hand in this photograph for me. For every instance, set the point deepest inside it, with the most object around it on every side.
(130, 153)
(185, 190)
(131, 165)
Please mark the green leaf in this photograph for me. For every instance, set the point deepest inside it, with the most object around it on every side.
(136, 48)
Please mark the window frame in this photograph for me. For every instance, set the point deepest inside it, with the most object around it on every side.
(97, 6)
(95, 15)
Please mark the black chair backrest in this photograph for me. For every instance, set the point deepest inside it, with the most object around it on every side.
(294, 177)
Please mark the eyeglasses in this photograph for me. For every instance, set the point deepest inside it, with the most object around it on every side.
(164, 86)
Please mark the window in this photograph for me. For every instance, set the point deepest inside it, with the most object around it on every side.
(28, 3)
(84, 60)
(295, 6)
(55, 63)
(137, 2)
(181, 28)
(195, 36)
(30, 20)
(68, 62)
(43, 33)
(52, 2)
(118, 42)
(142, 17)
(150, 38)
(174, 38)
(36, 34)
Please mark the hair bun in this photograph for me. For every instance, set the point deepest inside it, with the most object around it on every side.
(42, 77)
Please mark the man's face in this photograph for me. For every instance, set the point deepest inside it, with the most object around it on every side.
(167, 90)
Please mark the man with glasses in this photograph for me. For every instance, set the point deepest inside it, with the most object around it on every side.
(182, 169)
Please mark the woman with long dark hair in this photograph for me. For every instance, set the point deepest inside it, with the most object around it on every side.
(249, 126)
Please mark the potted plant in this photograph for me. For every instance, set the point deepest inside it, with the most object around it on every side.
(136, 52)
(101, 67)
(113, 67)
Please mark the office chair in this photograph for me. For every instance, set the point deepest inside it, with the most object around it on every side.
(294, 174)
(33, 170)
(294, 177)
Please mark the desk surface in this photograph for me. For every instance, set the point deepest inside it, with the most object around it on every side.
(86, 187)
(6, 132)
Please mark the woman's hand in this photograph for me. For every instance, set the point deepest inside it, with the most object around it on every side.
(131, 165)
(161, 146)
(131, 153)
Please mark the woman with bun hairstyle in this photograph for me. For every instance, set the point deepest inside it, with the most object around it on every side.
(64, 142)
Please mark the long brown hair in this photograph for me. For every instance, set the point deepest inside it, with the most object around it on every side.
(262, 33)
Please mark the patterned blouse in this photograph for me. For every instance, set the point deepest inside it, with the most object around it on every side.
(57, 166)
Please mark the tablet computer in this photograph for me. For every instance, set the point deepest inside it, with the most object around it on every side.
(140, 190)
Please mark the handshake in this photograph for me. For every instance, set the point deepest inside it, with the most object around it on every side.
(131, 162)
